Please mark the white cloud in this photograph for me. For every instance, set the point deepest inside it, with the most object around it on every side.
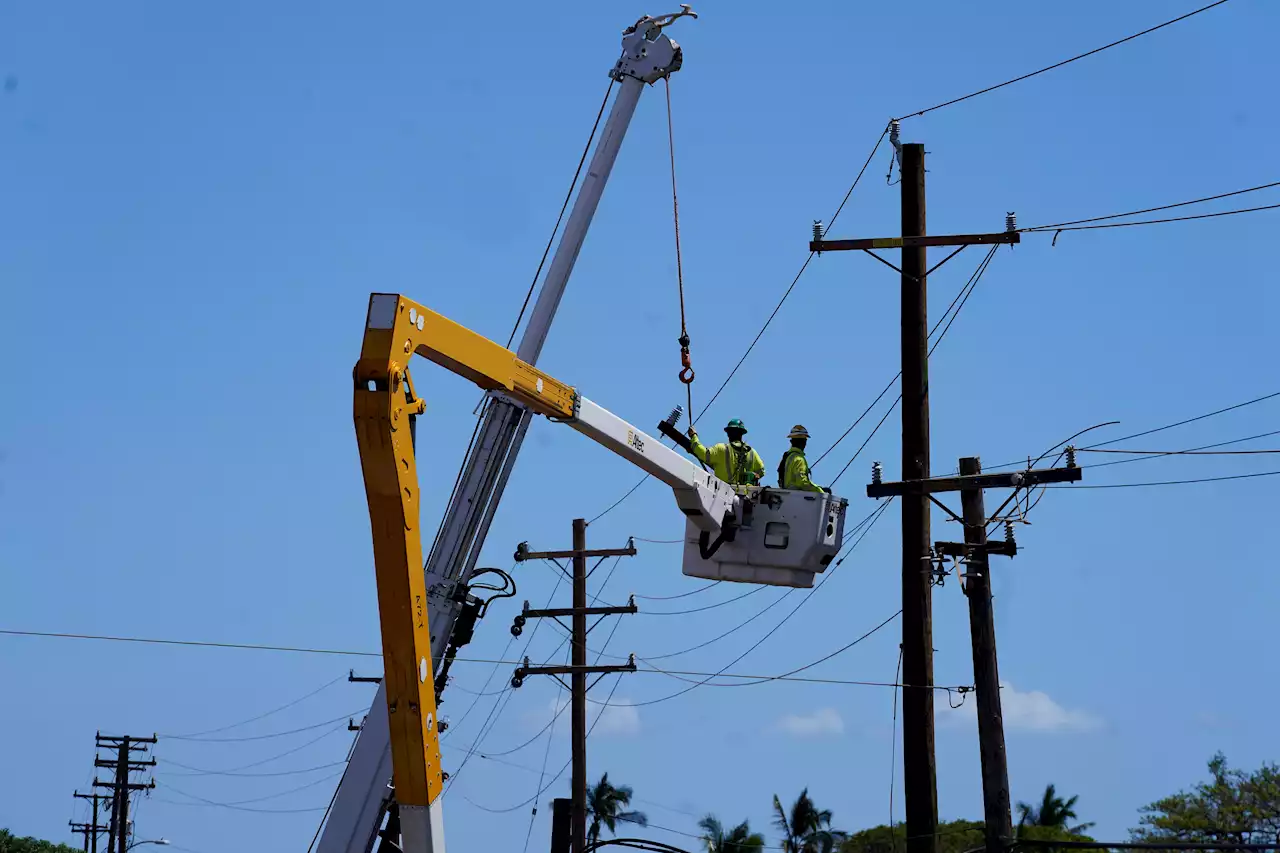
(619, 718)
(822, 722)
(1030, 711)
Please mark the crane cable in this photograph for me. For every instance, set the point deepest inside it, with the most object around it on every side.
(686, 365)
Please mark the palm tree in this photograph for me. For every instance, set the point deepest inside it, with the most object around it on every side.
(805, 828)
(740, 839)
(1053, 811)
(606, 805)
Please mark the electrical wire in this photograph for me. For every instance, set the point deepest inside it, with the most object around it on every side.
(952, 312)
(274, 796)
(236, 770)
(1168, 482)
(1183, 453)
(312, 727)
(1063, 62)
(768, 321)
(546, 753)
(198, 771)
(1191, 450)
(564, 207)
(1058, 225)
(1158, 221)
(749, 592)
(284, 707)
(154, 641)
(758, 642)
(1147, 432)
(681, 595)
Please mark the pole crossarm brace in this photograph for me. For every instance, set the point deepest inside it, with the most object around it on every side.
(133, 765)
(1001, 237)
(1011, 480)
(629, 666)
(523, 553)
(362, 679)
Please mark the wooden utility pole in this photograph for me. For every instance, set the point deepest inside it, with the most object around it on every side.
(561, 820)
(124, 765)
(579, 669)
(91, 837)
(986, 675)
(919, 775)
(919, 772)
(976, 551)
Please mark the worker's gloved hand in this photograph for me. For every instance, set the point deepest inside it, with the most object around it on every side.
(691, 432)
(827, 490)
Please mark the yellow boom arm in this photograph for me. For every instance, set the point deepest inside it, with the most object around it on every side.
(395, 329)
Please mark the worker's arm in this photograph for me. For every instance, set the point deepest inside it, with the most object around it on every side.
(696, 447)
(798, 475)
(755, 465)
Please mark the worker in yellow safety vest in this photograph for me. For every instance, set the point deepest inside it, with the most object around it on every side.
(793, 470)
(735, 461)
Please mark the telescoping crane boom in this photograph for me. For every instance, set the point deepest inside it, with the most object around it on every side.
(772, 535)
(364, 793)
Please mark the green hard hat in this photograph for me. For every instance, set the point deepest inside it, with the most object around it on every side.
(736, 423)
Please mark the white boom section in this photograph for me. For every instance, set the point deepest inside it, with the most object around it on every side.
(360, 803)
(701, 496)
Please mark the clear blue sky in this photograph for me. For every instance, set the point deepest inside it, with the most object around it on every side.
(197, 201)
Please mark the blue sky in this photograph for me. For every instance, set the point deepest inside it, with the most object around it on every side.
(199, 199)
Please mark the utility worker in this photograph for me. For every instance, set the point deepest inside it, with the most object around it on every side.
(735, 462)
(793, 470)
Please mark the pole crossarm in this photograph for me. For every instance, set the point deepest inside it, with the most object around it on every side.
(629, 666)
(585, 611)
(1001, 548)
(1010, 480)
(922, 241)
(523, 553)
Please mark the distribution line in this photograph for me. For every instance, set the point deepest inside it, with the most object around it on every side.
(1063, 62)
(231, 771)
(768, 321)
(198, 771)
(1057, 225)
(1168, 482)
(284, 707)
(948, 317)
(1222, 411)
(312, 727)
(1156, 221)
(1190, 450)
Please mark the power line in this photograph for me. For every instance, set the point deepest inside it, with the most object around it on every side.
(235, 770)
(284, 707)
(1155, 221)
(768, 321)
(312, 727)
(1058, 225)
(949, 316)
(1169, 482)
(1190, 450)
(198, 771)
(1222, 411)
(1063, 62)
(261, 799)
(1182, 452)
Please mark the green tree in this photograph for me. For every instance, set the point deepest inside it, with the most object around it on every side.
(1235, 807)
(805, 828)
(607, 804)
(1053, 812)
(956, 836)
(10, 843)
(740, 839)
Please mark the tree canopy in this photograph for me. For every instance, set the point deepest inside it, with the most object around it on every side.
(10, 843)
(1234, 806)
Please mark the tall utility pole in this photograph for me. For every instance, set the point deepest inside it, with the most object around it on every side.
(91, 836)
(578, 670)
(919, 776)
(975, 552)
(986, 675)
(123, 765)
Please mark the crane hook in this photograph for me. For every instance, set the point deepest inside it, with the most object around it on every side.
(686, 371)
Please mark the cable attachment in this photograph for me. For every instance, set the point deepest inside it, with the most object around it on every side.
(818, 232)
(1071, 455)
(686, 365)
(1008, 533)
(877, 473)
(1011, 221)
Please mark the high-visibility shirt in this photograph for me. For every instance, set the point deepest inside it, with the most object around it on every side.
(737, 463)
(793, 472)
